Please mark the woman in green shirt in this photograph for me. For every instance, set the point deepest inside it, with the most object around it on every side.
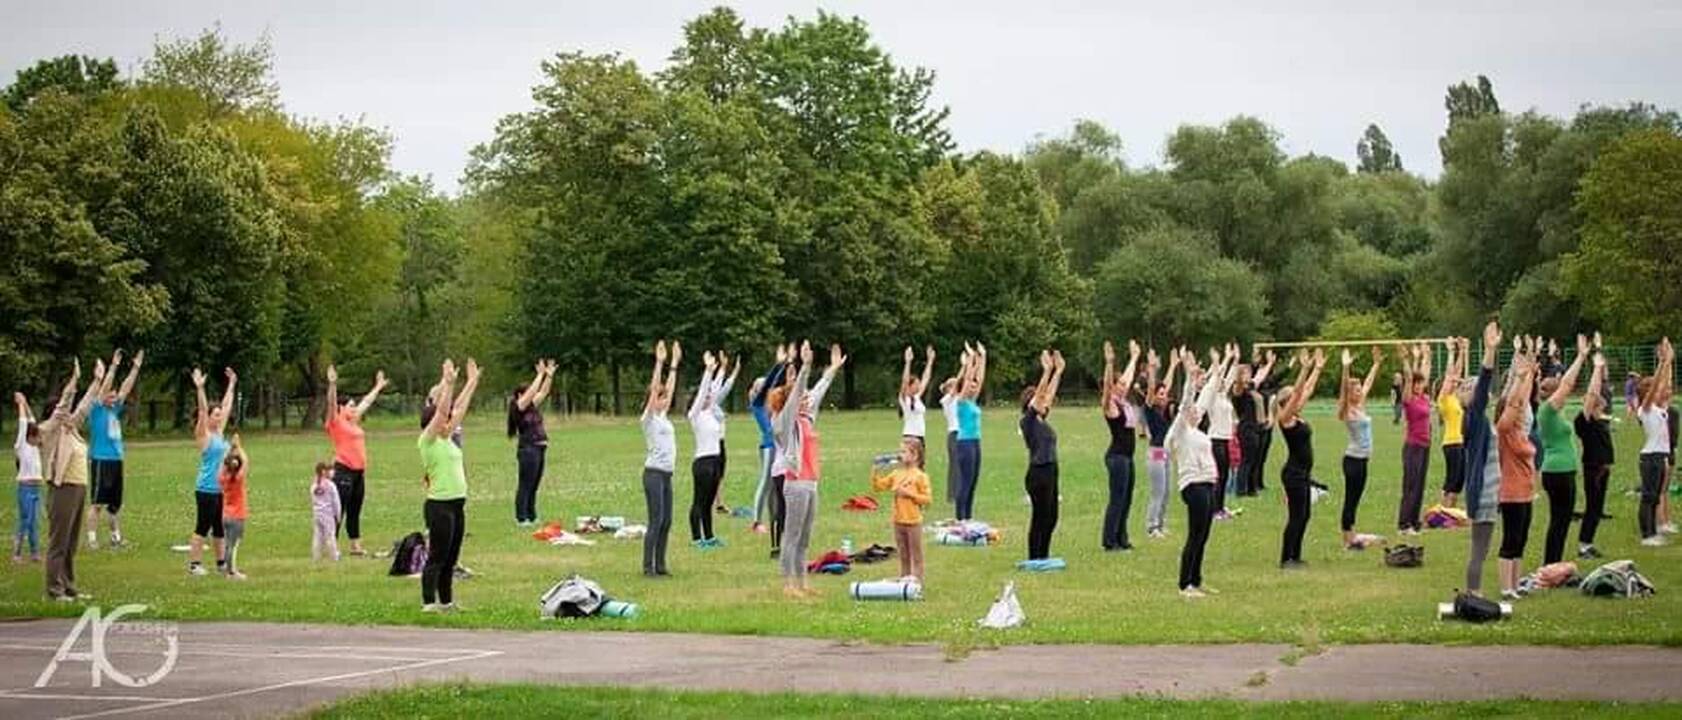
(1559, 454)
(446, 490)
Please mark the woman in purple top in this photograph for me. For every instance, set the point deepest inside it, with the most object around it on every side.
(1416, 448)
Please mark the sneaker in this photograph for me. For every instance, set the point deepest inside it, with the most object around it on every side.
(1223, 515)
(462, 572)
(1510, 596)
(79, 596)
(721, 509)
(235, 575)
(1588, 552)
(775, 553)
(715, 542)
(432, 608)
(196, 569)
(1293, 565)
(62, 598)
(1191, 593)
(1668, 528)
(93, 540)
(449, 607)
(1654, 541)
(1206, 590)
(759, 529)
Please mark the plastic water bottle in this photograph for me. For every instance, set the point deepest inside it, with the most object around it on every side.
(847, 546)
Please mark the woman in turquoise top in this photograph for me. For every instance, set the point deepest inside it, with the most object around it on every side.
(1559, 454)
(208, 428)
(445, 509)
(968, 448)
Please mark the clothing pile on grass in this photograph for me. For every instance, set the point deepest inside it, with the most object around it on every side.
(408, 558)
(555, 533)
(1548, 577)
(838, 562)
(860, 503)
(1438, 517)
(971, 533)
(1618, 579)
(577, 597)
(593, 524)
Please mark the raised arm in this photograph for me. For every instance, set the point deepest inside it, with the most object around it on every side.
(698, 403)
(905, 372)
(1106, 397)
(773, 378)
(464, 400)
(1659, 393)
(1486, 376)
(201, 420)
(133, 375)
(1056, 378)
(978, 368)
(1308, 376)
(671, 371)
(534, 387)
(1040, 401)
(837, 359)
(1446, 386)
(24, 418)
(1125, 381)
(654, 380)
(1168, 376)
(725, 382)
(1597, 380)
(1266, 369)
(1518, 401)
(928, 371)
(332, 394)
(84, 406)
(228, 394)
(549, 368)
(443, 400)
(1346, 358)
(1568, 381)
(110, 374)
(374, 394)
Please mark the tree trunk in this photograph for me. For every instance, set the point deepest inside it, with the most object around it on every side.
(307, 372)
(613, 380)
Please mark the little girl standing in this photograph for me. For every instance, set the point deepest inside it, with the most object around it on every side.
(910, 486)
(28, 448)
(232, 482)
(324, 499)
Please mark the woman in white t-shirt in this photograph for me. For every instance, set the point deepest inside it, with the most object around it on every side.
(661, 441)
(912, 411)
(28, 449)
(1655, 394)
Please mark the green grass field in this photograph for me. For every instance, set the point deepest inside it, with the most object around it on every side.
(452, 701)
(594, 468)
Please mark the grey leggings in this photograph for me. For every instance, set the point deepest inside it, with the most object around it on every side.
(1482, 534)
(657, 493)
(235, 532)
(800, 499)
(1156, 511)
(761, 491)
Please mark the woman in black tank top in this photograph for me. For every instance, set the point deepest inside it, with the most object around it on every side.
(1118, 459)
(1299, 461)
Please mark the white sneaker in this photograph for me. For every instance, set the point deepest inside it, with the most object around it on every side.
(433, 608)
(1206, 590)
(93, 540)
(1668, 528)
(235, 575)
(1192, 593)
(1654, 541)
(196, 570)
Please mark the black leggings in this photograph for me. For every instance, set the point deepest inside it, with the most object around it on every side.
(707, 471)
(1652, 486)
(1594, 500)
(779, 512)
(1562, 497)
(1250, 461)
(1515, 529)
(208, 522)
(1041, 482)
(1416, 461)
(1296, 513)
(531, 461)
(1121, 500)
(1200, 514)
(1223, 470)
(351, 487)
(446, 525)
(1454, 458)
(1354, 484)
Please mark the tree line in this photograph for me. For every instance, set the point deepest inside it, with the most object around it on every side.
(770, 183)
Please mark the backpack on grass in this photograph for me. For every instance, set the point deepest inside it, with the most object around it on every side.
(408, 555)
(1474, 609)
(1405, 556)
(572, 597)
(1617, 579)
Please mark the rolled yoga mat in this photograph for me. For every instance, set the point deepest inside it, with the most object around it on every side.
(886, 590)
(949, 539)
(615, 608)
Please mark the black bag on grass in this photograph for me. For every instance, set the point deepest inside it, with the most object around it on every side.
(1405, 556)
(406, 552)
(1472, 608)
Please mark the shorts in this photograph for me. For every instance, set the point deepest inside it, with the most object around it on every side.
(107, 479)
(209, 522)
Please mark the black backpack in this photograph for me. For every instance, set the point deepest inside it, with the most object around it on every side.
(1472, 608)
(1405, 556)
(403, 553)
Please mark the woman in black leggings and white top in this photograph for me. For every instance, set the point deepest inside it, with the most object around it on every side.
(1041, 479)
(1299, 459)
(1118, 459)
(1194, 464)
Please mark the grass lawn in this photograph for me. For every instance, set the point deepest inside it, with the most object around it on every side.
(452, 701)
(594, 467)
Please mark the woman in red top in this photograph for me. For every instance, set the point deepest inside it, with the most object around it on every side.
(350, 450)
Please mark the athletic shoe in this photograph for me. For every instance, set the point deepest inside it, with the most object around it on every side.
(1654, 541)
(1668, 528)
(721, 509)
(462, 572)
(715, 541)
(62, 598)
(1223, 515)
(775, 553)
(1293, 565)
(1588, 552)
(235, 575)
(1206, 590)
(758, 529)
(1191, 593)
(449, 607)
(93, 540)
(196, 569)
(432, 608)
(1510, 596)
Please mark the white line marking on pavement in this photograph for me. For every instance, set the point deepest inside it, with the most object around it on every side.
(278, 686)
(19, 695)
(225, 653)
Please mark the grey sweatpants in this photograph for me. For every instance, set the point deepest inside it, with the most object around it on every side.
(1156, 511)
(657, 492)
(761, 491)
(234, 531)
(1482, 534)
(800, 497)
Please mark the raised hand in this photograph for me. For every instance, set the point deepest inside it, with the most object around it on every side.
(1348, 358)
(116, 358)
(472, 370)
(1057, 358)
(379, 378)
(1377, 355)
(806, 352)
(198, 377)
(909, 354)
(1109, 352)
(660, 350)
(782, 354)
(677, 352)
(139, 357)
(1133, 348)
(1582, 345)
(1492, 334)
(98, 369)
(1597, 339)
(929, 353)
(836, 357)
(707, 360)
(229, 373)
(1599, 361)
(983, 348)
(333, 374)
(1319, 358)
(1045, 359)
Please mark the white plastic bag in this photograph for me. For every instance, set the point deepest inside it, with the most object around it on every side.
(1006, 611)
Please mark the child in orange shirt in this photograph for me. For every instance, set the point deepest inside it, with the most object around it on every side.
(910, 486)
(232, 480)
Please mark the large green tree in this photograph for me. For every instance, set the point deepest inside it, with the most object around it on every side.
(1628, 266)
(1170, 285)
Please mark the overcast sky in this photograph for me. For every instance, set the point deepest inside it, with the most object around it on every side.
(438, 75)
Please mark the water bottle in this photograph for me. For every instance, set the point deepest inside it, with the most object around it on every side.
(847, 546)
